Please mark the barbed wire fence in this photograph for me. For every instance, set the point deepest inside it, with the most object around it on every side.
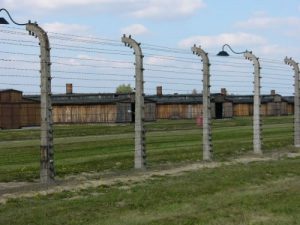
(85, 73)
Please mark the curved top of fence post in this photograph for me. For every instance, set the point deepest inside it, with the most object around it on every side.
(128, 41)
(200, 52)
(250, 56)
(35, 30)
(291, 62)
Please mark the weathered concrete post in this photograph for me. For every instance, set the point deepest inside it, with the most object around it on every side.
(256, 103)
(47, 171)
(140, 149)
(295, 65)
(207, 145)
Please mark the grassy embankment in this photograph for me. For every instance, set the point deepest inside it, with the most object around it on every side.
(255, 193)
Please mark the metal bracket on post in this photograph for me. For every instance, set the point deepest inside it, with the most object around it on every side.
(207, 145)
(140, 149)
(47, 171)
(295, 65)
(256, 108)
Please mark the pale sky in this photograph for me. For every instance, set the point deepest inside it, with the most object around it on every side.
(268, 28)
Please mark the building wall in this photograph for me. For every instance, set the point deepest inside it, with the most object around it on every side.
(84, 113)
(221, 110)
(242, 109)
(290, 109)
(277, 109)
(20, 114)
(264, 109)
(30, 114)
(10, 116)
(16, 111)
(125, 112)
(227, 110)
(150, 111)
(178, 111)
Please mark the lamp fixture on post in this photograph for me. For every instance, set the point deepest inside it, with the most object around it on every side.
(256, 98)
(46, 148)
(4, 21)
(224, 53)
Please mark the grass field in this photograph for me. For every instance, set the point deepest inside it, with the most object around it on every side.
(254, 193)
(266, 192)
(95, 148)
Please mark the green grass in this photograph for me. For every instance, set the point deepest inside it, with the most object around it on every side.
(72, 130)
(265, 193)
(97, 147)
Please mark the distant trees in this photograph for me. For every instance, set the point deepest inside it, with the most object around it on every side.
(124, 89)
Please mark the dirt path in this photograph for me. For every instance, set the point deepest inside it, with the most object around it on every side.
(13, 190)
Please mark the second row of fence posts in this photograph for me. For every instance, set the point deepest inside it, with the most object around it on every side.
(140, 148)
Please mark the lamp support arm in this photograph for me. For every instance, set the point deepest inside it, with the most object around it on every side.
(20, 24)
(226, 45)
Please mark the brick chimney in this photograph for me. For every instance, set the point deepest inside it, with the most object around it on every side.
(223, 91)
(69, 88)
(273, 92)
(159, 91)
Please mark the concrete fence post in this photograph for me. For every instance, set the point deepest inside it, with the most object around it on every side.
(256, 103)
(140, 149)
(47, 171)
(295, 65)
(207, 145)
